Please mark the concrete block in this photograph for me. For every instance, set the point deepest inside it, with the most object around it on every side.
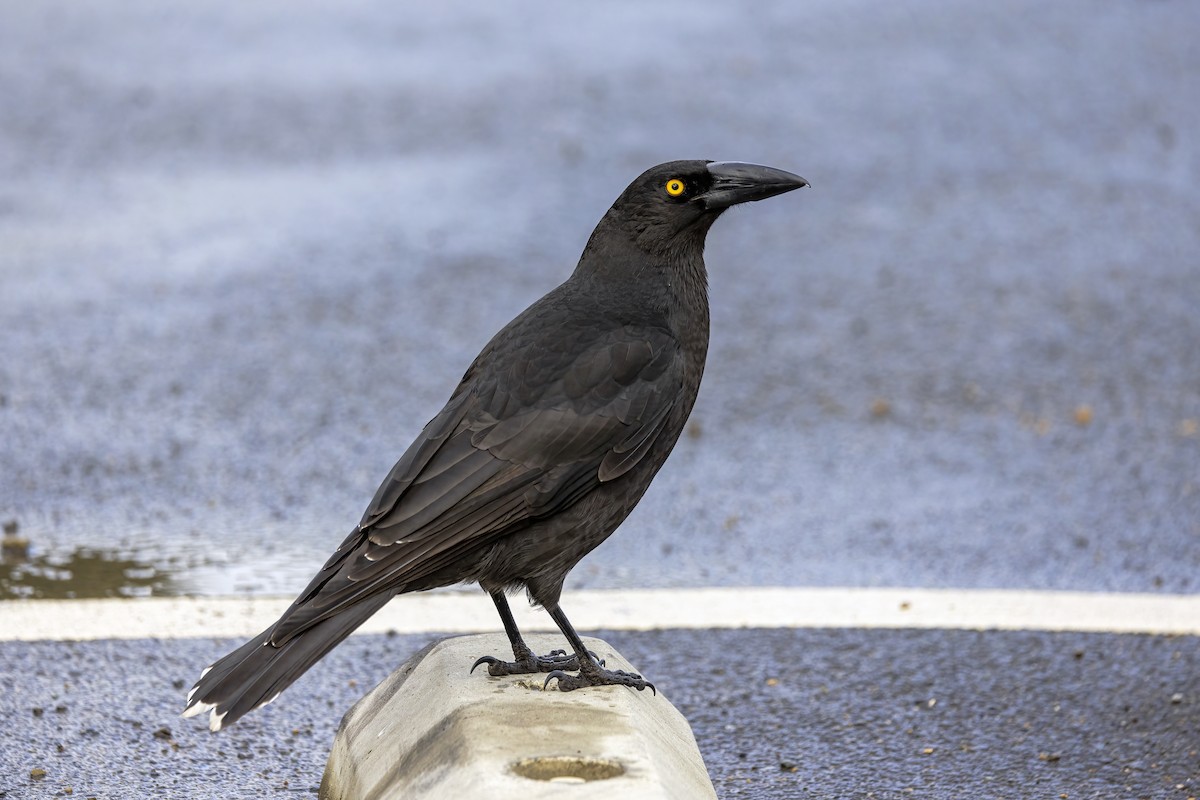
(431, 730)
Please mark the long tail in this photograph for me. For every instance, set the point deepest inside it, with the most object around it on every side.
(255, 673)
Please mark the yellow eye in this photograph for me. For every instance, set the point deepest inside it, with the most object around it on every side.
(675, 187)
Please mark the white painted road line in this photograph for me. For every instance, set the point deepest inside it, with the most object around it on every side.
(627, 609)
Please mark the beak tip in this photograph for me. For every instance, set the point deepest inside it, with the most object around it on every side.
(738, 182)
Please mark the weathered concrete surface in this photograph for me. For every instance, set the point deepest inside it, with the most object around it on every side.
(429, 731)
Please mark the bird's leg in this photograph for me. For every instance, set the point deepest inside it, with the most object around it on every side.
(591, 673)
(526, 662)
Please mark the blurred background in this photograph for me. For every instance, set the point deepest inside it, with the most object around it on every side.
(247, 250)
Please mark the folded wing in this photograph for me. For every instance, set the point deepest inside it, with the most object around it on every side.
(508, 448)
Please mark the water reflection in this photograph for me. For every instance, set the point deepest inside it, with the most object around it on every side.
(83, 573)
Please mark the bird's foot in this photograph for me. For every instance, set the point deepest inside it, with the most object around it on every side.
(598, 677)
(556, 661)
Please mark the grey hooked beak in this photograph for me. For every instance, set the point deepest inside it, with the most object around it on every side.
(736, 182)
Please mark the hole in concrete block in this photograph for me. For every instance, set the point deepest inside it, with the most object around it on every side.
(568, 769)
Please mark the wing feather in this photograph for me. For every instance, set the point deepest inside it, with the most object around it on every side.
(509, 447)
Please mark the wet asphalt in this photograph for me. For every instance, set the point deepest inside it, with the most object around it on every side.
(246, 251)
(777, 714)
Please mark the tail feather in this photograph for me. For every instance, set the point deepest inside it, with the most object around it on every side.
(255, 673)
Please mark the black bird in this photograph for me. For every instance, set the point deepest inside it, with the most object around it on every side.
(546, 445)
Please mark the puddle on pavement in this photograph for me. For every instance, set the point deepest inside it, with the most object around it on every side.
(82, 573)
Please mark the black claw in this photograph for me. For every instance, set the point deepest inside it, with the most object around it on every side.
(529, 665)
(603, 677)
(489, 660)
(567, 682)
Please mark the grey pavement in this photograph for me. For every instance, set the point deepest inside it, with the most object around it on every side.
(778, 715)
(246, 250)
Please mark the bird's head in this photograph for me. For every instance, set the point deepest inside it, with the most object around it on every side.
(684, 198)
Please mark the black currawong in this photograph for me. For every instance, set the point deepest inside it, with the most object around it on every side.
(546, 445)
